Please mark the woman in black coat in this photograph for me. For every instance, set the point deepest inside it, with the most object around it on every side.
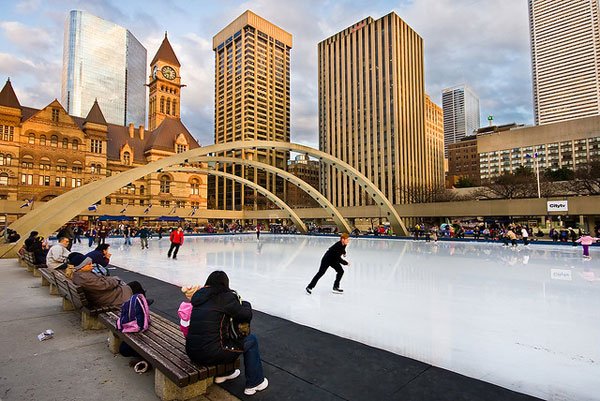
(212, 337)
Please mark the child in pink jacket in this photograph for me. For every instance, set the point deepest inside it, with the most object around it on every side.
(185, 309)
(587, 240)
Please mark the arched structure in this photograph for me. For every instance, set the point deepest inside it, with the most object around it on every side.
(337, 217)
(54, 213)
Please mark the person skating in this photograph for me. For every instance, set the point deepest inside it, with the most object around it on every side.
(332, 258)
(176, 238)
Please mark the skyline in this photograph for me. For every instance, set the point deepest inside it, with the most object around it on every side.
(478, 52)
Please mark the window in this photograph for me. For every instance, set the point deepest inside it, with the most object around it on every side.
(75, 182)
(162, 104)
(174, 107)
(195, 187)
(26, 179)
(7, 132)
(65, 143)
(75, 144)
(164, 203)
(168, 106)
(31, 139)
(55, 115)
(181, 148)
(54, 141)
(142, 190)
(165, 184)
(95, 168)
(43, 140)
(127, 158)
(77, 167)
(5, 160)
(107, 201)
(3, 179)
(96, 146)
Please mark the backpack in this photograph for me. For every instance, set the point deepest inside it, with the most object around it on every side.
(135, 315)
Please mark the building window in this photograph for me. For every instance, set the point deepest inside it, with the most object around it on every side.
(3, 179)
(127, 158)
(43, 140)
(162, 104)
(181, 148)
(107, 201)
(31, 139)
(54, 141)
(165, 184)
(26, 179)
(55, 115)
(75, 182)
(96, 146)
(5, 160)
(95, 168)
(195, 187)
(174, 107)
(7, 132)
(75, 144)
(65, 143)
(168, 106)
(142, 190)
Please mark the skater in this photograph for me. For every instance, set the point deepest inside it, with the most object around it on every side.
(333, 258)
(258, 232)
(586, 240)
(144, 234)
(176, 238)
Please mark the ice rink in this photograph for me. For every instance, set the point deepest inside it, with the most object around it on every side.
(525, 319)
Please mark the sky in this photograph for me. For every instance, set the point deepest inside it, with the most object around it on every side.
(483, 43)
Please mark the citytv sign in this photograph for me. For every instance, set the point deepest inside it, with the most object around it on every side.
(558, 206)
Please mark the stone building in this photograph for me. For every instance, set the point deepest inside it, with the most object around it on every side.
(46, 152)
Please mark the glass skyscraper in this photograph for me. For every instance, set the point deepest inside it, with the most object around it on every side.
(103, 61)
(461, 114)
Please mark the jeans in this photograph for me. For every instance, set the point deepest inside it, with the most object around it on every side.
(252, 365)
(90, 241)
(127, 240)
(144, 242)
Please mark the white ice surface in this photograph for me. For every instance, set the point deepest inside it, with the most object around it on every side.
(524, 319)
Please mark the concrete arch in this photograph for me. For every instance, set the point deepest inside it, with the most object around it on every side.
(55, 212)
(337, 217)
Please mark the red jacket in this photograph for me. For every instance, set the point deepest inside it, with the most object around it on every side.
(176, 237)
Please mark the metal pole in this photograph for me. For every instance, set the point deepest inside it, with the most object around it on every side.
(537, 171)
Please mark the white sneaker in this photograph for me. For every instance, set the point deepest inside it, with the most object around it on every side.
(260, 387)
(223, 379)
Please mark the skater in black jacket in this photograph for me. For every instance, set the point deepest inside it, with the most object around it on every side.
(332, 258)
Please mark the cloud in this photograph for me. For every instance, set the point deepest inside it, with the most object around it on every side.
(25, 37)
(27, 6)
(15, 66)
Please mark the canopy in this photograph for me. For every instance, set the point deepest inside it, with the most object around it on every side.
(106, 217)
(169, 218)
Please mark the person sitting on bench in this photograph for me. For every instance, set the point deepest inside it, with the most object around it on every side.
(102, 290)
(57, 255)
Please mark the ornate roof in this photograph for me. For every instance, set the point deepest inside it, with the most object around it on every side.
(165, 53)
(95, 115)
(8, 97)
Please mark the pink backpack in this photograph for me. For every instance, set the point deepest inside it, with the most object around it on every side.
(135, 315)
(185, 314)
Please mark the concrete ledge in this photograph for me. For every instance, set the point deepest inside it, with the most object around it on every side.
(89, 322)
(166, 390)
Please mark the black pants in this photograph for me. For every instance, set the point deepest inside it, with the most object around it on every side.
(173, 249)
(323, 268)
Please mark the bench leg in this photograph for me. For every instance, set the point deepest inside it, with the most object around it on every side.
(53, 289)
(114, 342)
(89, 322)
(67, 305)
(45, 282)
(166, 390)
(30, 268)
(36, 273)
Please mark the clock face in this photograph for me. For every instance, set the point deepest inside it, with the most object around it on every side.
(168, 72)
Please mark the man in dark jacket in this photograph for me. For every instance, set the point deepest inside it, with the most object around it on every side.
(213, 335)
(332, 258)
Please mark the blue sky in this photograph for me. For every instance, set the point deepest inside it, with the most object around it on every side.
(483, 43)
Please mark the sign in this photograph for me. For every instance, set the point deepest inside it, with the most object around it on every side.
(558, 206)
(559, 274)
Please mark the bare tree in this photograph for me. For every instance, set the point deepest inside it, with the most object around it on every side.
(587, 179)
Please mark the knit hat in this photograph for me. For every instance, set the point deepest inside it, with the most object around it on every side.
(78, 260)
(189, 290)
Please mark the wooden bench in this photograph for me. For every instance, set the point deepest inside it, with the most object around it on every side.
(74, 299)
(33, 267)
(176, 377)
(21, 256)
(48, 280)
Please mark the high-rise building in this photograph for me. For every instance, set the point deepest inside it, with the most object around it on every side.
(252, 102)
(434, 143)
(105, 62)
(461, 114)
(565, 59)
(371, 110)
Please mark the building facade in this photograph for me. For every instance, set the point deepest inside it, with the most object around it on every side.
(46, 152)
(461, 114)
(569, 144)
(565, 59)
(252, 102)
(105, 62)
(463, 162)
(308, 171)
(434, 143)
(371, 109)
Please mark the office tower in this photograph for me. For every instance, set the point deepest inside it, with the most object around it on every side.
(371, 110)
(252, 102)
(565, 59)
(461, 114)
(434, 143)
(103, 61)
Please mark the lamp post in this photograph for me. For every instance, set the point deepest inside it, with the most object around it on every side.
(537, 170)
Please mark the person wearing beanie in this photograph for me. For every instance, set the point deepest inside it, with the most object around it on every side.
(101, 290)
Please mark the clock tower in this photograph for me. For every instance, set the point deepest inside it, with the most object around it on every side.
(165, 86)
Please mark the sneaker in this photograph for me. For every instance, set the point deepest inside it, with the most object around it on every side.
(260, 387)
(223, 379)
(337, 290)
(308, 290)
